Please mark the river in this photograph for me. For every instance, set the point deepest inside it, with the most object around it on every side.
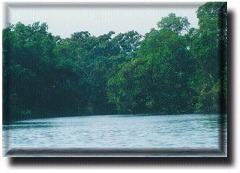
(190, 131)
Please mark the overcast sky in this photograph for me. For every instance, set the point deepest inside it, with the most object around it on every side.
(64, 21)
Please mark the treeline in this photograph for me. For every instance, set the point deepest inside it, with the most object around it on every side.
(173, 69)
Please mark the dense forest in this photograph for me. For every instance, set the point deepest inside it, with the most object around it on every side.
(173, 69)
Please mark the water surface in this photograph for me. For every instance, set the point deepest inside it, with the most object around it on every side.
(192, 131)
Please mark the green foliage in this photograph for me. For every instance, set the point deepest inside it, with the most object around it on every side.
(209, 50)
(171, 70)
(156, 81)
(174, 23)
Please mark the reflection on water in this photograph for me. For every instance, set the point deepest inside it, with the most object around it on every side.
(116, 131)
(27, 125)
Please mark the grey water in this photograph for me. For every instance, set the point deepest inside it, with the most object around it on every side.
(190, 131)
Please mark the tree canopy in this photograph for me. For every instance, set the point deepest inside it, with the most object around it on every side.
(173, 69)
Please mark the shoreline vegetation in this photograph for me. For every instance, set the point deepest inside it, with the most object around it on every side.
(172, 69)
